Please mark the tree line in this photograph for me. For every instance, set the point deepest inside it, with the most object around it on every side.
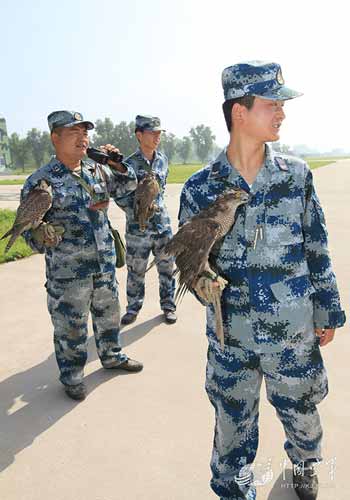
(35, 148)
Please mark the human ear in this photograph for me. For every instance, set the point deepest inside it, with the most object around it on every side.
(237, 113)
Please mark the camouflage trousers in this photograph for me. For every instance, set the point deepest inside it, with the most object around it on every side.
(138, 248)
(295, 381)
(69, 303)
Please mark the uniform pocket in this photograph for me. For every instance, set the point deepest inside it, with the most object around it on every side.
(284, 223)
(64, 197)
(293, 288)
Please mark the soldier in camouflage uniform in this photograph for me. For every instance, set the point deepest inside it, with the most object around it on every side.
(281, 302)
(139, 244)
(79, 250)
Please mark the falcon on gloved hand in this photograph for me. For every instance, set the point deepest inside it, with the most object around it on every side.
(30, 212)
(191, 247)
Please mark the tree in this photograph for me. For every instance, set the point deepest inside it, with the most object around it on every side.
(47, 145)
(125, 138)
(39, 145)
(203, 140)
(184, 147)
(169, 145)
(281, 148)
(104, 132)
(19, 150)
(121, 135)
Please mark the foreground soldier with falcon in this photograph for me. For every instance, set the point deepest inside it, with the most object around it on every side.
(79, 250)
(281, 301)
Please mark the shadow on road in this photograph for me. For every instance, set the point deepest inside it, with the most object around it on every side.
(136, 333)
(33, 400)
(283, 487)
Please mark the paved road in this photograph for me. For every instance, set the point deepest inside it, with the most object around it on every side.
(145, 436)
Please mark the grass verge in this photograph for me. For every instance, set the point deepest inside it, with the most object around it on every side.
(19, 249)
(318, 163)
(12, 182)
(178, 173)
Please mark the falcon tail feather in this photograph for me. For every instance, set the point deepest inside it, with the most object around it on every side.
(6, 234)
(11, 242)
(154, 262)
(180, 292)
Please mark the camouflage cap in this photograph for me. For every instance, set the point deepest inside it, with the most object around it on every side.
(146, 122)
(257, 78)
(67, 119)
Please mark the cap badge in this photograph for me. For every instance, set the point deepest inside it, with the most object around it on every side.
(279, 77)
(78, 117)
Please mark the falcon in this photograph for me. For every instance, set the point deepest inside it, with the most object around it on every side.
(145, 195)
(191, 247)
(30, 212)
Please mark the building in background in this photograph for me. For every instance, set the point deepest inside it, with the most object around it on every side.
(5, 155)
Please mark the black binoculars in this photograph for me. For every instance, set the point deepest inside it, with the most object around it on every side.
(100, 157)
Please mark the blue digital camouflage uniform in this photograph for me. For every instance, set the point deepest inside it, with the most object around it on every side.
(80, 271)
(280, 287)
(140, 244)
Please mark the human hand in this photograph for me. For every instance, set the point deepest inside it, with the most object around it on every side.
(109, 148)
(208, 286)
(47, 234)
(326, 335)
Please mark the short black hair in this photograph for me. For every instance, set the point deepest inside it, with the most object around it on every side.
(246, 100)
(139, 129)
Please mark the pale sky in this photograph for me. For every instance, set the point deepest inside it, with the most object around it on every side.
(165, 57)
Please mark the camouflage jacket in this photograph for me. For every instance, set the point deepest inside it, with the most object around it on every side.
(160, 222)
(275, 257)
(87, 245)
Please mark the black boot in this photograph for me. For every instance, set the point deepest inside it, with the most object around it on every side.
(305, 482)
(128, 318)
(77, 392)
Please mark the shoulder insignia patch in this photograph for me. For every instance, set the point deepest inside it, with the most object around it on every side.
(281, 163)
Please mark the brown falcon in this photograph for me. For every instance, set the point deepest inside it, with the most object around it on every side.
(145, 195)
(30, 212)
(191, 247)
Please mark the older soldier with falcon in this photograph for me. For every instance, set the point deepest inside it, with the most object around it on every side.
(281, 301)
(79, 251)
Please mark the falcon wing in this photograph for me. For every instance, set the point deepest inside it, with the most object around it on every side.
(145, 194)
(33, 208)
(30, 212)
(191, 246)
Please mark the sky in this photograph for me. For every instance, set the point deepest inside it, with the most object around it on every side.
(119, 58)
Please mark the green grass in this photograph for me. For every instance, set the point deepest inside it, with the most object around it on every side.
(328, 158)
(178, 173)
(19, 171)
(12, 182)
(19, 249)
(318, 163)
